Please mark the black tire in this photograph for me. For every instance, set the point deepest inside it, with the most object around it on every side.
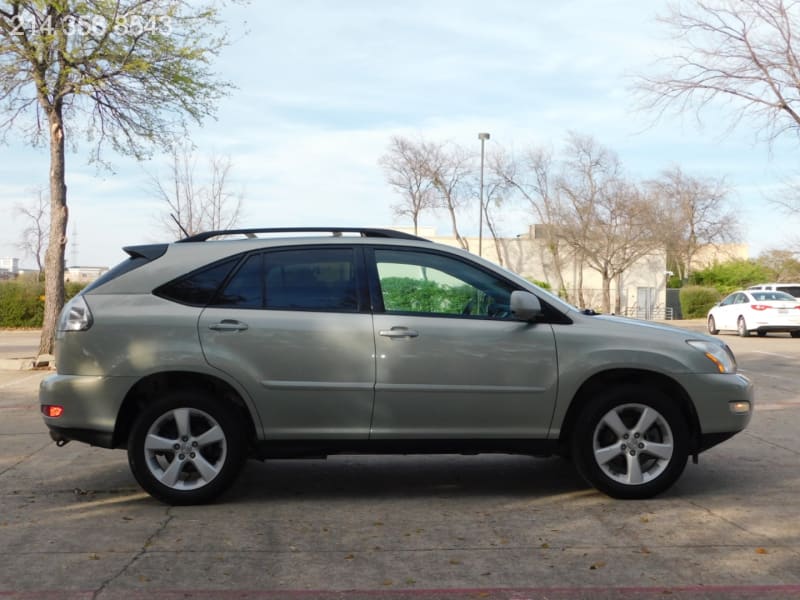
(795, 334)
(712, 326)
(603, 457)
(196, 450)
(741, 328)
(760, 333)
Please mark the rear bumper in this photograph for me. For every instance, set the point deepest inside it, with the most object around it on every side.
(90, 406)
(61, 436)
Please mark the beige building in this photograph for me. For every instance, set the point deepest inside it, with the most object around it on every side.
(83, 274)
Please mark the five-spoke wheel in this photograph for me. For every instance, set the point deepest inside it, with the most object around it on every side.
(186, 448)
(632, 443)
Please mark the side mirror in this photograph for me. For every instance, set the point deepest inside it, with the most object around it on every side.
(525, 306)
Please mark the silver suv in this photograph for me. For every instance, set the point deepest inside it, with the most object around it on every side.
(198, 354)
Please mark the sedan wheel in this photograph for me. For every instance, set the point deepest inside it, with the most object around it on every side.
(741, 327)
(712, 325)
(632, 444)
(186, 448)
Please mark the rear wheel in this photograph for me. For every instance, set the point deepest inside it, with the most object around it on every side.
(186, 448)
(712, 326)
(632, 443)
(741, 328)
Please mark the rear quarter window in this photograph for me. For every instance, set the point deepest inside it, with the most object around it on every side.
(199, 287)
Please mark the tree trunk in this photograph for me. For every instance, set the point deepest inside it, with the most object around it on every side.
(606, 293)
(54, 259)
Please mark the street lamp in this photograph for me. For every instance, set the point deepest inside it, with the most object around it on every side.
(482, 137)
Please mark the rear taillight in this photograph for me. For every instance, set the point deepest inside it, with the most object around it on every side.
(760, 306)
(53, 411)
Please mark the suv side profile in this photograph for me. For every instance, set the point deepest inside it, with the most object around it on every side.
(199, 354)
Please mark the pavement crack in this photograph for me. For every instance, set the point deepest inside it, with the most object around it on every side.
(771, 443)
(168, 517)
(24, 458)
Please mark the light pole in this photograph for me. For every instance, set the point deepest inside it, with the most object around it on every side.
(482, 137)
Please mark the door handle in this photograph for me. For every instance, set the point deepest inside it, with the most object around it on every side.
(398, 333)
(228, 325)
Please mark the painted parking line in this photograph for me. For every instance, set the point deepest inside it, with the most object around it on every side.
(692, 592)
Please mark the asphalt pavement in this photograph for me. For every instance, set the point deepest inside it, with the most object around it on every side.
(74, 524)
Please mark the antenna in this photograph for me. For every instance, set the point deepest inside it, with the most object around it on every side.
(178, 223)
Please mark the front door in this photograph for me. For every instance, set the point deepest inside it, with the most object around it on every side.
(451, 362)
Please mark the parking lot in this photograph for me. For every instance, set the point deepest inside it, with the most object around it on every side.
(74, 524)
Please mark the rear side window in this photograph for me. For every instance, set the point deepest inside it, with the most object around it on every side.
(311, 279)
(321, 279)
(198, 287)
(793, 290)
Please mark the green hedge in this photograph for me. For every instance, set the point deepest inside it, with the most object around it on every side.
(22, 302)
(697, 300)
(413, 295)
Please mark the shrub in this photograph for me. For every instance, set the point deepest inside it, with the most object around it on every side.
(407, 294)
(22, 302)
(697, 300)
(733, 275)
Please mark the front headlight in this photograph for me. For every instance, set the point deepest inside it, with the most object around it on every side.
(719, 354)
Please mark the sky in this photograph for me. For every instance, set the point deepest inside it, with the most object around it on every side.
(321, 87)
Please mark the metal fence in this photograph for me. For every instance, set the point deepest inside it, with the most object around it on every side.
(655, 313)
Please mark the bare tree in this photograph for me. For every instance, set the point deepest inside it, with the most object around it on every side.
(407, 169)
(197, 205)
(785, 263)
(531, 177)
(737, 51)
(126, 73)
(693, 213)
(605, 218)
(33, 239)
(449, 169)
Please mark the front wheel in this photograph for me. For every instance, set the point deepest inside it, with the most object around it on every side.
(633, 443)
(186, 448)
(712, 326)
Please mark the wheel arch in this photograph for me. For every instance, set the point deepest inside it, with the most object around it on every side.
(600, 382)
(149, 388)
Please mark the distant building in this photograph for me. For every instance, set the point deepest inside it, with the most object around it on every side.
(9, 268)
(83, 274)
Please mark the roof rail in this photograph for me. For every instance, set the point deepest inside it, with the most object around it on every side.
(335, 231)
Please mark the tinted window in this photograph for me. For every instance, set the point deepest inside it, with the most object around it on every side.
(198, 288)
(246, 288)
(793, 290)
(311, 279)
(420, 282)
(773, 296)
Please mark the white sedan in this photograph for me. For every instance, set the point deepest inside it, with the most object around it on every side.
(759, 311)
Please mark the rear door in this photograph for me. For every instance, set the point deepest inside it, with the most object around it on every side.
(292, 327)
(451, 362)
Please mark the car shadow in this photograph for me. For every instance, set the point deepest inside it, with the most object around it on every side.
(406, 476)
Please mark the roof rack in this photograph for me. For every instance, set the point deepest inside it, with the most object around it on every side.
(334, 231)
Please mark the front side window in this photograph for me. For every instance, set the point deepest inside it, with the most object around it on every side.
(434, 284)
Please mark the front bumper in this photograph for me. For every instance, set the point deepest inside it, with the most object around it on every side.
(713, 396)
(90, 406)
